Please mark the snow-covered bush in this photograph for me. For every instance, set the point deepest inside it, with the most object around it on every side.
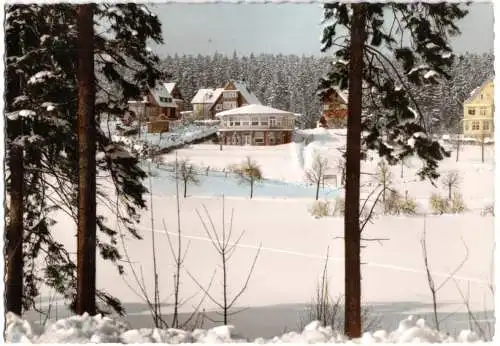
(457, 204)
(319, 209)
(396, 205)
(438, 204)
(489, 210)
(339, 206)
(408, 206)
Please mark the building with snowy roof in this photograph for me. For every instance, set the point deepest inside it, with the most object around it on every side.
(334, 108)
(207, 102)
(162, 104)
(256, 124)
(478, 120)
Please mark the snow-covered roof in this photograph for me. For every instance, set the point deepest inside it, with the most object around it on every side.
(475, 92)
(253, 109)
(207, 96)
(247, 94)
(169, 86)
(159, 92)
(344, 95)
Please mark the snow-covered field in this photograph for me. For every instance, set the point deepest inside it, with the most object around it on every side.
(294, 245)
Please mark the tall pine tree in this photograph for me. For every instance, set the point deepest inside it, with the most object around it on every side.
(392, 120)
(124, 68)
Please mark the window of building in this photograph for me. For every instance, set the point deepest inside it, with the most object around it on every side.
(230, 94)
(218, 107)
(229, 104)
(475, 125)
(482, 111)
(231, 121)
(472, 111)
(237, 123)
(272, 121)
(466, 126)
(326, 107)
(255, 121)
(486, 125)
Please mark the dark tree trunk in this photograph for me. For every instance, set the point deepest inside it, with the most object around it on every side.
(15, 228)
(86, 250)
(317, 189)
(353, 156)
(14, 236)
(185, 188)
(251, 189)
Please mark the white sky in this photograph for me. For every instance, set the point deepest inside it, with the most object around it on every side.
(279, 28)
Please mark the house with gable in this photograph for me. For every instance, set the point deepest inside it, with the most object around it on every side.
(207, 102)
(173, 89)
(479, 108)
(156, 108)
(334, 108)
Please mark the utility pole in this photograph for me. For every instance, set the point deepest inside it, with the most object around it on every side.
(352, 233)
(86, 244)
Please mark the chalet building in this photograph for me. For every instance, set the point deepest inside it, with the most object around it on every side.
(176, 94)
(256, 124)
(158, 107)
(334, 109)
(203, 101)
(478, 121)
(208, 102)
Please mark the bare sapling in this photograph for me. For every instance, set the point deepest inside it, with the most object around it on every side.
(384, 177)
(324, 308)
(179, 256)
(249, 173)
(316, 174)
(156, 299)
(225, 247)
(434, 289)
(154, 304)
(186, 172)
(451, 181)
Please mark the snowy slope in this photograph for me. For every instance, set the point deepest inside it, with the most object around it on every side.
(294, 244)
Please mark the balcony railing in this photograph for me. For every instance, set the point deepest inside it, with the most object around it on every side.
(225, 126)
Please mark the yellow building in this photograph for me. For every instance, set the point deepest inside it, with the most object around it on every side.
(478, 119)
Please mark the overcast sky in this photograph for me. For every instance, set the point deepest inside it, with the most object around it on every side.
(278, 28)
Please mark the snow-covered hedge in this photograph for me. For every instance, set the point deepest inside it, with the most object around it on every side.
(98, 329)
(155, 141)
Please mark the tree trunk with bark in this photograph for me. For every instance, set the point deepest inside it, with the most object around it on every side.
(14, 234)
(353, 157)
(86, 248)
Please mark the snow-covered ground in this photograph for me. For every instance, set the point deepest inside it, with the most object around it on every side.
(294, 245)
(97, 329)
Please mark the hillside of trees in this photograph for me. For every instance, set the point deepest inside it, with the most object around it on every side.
(290, 82)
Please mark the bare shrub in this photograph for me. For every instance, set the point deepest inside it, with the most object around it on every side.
(457, 204)
(438, 204)
(489, 210)
(392, 203)
(320, 209)
(408, 206)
